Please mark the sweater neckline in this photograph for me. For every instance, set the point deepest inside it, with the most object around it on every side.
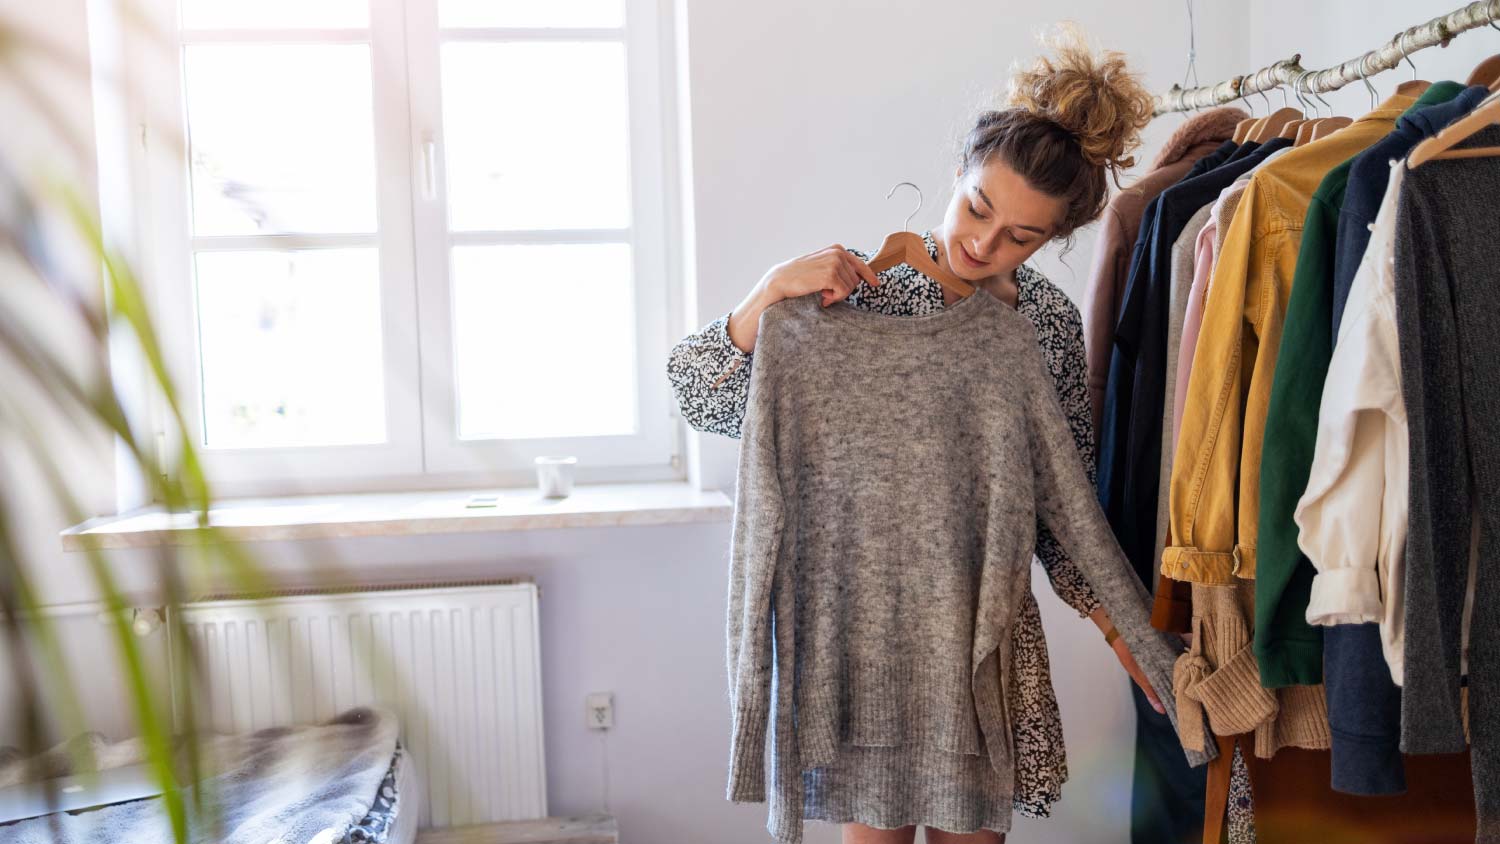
(939, 320)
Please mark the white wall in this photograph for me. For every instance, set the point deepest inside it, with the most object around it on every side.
(803, 116)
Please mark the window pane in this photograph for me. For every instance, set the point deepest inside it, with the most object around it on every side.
(281, 138)
(544, 340)
(536, 135)
(291, 347)
(554, 13)
(290, 14)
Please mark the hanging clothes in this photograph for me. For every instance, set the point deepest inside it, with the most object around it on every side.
(1285, 640)
(1446, 301)
(1364, 703)
(1215, 474)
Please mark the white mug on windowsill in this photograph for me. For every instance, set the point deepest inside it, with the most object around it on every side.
(554, 476)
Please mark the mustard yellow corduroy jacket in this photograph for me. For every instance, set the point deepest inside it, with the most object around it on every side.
(1215, 493)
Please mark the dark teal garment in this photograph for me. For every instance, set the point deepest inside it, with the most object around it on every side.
(1288, 650)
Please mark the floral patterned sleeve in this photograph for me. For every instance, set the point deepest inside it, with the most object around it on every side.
(711, 379)
(1059, 328)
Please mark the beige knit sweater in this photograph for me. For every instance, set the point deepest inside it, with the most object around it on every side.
(1217, 680)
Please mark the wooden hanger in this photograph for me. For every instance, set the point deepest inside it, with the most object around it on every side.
(1486, 72)
(1271, 126)
(1330, 125)
(1289, 131)
(1440, 145)
(1242, 129)
(905, 247)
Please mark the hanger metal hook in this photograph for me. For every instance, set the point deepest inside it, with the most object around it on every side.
(906, 226)
(1242, 95)
(1307, 104)
(1320, 97)
(1269, 107)
(1308, 97)
(1364, 76)
(1406, 54)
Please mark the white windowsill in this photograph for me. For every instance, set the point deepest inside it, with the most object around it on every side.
(408, 514)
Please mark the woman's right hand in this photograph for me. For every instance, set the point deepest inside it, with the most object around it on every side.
(832, 271)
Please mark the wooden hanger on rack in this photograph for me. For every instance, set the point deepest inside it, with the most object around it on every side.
(1289, 131)
(1486, 72)
(905, 247)
(1301, 130)
(1440, 145)
(1329, 125)
(1272, 125)
(1275, 124)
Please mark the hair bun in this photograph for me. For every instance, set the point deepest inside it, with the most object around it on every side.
(1095, 98)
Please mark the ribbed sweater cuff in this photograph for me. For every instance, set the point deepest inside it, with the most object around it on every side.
(747, 757)
(1233, 696)
(1186, 674)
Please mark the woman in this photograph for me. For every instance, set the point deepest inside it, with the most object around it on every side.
(1027, 175)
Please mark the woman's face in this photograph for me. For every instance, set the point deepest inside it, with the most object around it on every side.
(995, 222)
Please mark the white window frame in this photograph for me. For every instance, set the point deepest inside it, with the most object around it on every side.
(422, 450)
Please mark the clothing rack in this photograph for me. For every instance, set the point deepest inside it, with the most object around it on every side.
(1438, 31)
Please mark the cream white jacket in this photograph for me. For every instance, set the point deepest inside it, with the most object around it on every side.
(1353, 516)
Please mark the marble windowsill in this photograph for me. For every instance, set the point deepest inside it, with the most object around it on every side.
(407, 514)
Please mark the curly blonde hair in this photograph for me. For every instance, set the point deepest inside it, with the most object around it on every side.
(1072, 120)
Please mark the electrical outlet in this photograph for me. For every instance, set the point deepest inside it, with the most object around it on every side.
(599, 711)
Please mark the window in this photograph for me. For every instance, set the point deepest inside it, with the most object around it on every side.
(411, 243)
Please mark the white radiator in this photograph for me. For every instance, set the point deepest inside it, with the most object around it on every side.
(461, 667)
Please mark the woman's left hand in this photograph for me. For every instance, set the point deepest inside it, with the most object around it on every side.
(1136, 674)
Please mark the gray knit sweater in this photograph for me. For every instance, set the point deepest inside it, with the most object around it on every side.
(891, 473)
(1446, 305)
